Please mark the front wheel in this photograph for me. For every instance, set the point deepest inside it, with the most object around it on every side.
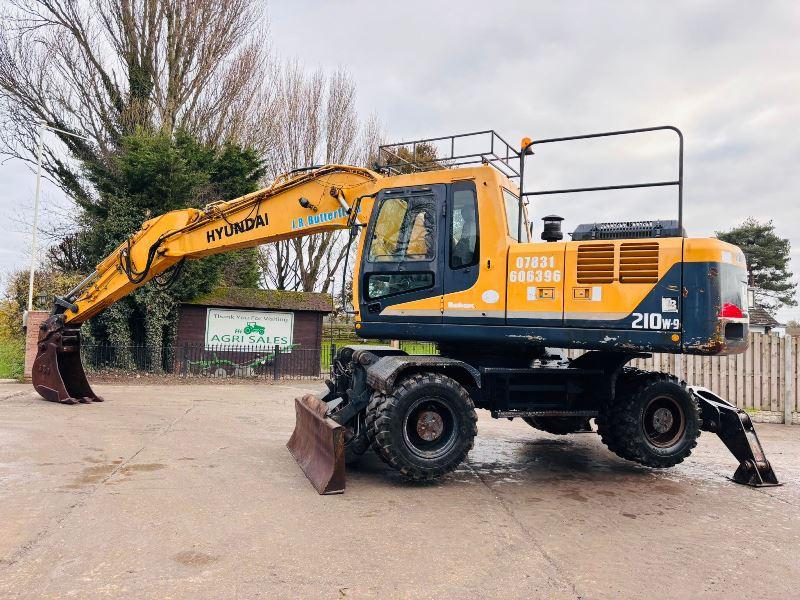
(425, 427)
(655, 421)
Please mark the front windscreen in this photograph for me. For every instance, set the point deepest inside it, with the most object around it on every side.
(404, 230)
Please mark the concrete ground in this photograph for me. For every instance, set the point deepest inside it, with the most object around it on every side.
(189, 492)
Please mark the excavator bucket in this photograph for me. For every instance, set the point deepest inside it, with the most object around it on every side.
(735, 429)
(58, 373)
(317, 445)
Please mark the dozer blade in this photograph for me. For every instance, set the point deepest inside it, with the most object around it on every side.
(57, 373)
(735, 429)
(317, 445)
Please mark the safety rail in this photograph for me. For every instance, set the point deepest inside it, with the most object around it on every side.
(647, 184)
(428, 154)
(450, 151)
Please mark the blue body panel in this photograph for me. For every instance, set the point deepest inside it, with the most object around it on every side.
(699, 288)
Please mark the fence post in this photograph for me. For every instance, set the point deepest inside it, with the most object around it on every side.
(185, 360)
(276, 371)
(788, 385)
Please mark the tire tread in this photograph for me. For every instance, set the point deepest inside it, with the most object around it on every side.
(384, 409)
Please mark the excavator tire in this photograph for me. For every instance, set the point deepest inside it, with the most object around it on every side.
(556, 425)
(371, 414)
(425, 428)
(654, 420)
(607, 427)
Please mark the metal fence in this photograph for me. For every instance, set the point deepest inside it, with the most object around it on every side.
(198, 360)
(763, 380)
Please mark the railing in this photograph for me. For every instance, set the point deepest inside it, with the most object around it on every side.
(678, 183)
(220, 362)
(450, 151)
(763, 380)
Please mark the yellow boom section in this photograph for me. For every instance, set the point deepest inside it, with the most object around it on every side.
(312, 202)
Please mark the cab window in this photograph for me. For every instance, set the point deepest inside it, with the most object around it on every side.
(404, 230)
(464, 239)
(512, 216)
(381, 285)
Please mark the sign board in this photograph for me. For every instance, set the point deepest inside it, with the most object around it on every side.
(241, 329)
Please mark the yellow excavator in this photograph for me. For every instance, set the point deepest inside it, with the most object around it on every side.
(445, 254)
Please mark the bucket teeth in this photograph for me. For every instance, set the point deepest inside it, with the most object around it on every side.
(317, 444)
(58, 374)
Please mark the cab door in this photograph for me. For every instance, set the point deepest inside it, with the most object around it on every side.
(462, 302)
(401, 271)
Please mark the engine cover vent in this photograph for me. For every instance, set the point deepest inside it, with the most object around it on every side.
(595, 263)
(638, 262)
(627, 230)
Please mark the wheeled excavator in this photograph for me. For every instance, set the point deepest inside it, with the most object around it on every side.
(445, 255)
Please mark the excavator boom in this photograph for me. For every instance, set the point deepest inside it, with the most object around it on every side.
(314, 201)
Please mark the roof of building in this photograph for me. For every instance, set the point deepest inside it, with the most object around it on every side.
(761, 318)
(235, 297)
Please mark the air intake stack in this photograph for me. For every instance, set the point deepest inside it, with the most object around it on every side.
(552, 228)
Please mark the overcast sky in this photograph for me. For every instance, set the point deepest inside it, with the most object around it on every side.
(726, 73)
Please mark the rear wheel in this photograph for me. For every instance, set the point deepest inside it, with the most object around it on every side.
(653, 421)
(425, 427)
(558, 425)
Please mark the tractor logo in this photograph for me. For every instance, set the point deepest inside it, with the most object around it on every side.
(253, 327)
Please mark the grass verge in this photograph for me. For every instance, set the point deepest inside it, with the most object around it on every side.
(12, 353)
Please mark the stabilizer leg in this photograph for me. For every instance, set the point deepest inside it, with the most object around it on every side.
(735, 428)
(58, 374)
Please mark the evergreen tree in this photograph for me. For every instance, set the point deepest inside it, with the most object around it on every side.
(767, 256)
(422, 157)
(151, 175)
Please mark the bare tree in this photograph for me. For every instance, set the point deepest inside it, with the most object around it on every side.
(314, 122)
(108, 68)
(105, 68)
(67, 256)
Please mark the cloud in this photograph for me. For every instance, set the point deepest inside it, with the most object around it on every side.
(724, 72)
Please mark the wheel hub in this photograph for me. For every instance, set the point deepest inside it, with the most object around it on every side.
(430, 425)
(662, 420)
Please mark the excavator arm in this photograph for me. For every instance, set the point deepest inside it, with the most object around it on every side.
(313, 201)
